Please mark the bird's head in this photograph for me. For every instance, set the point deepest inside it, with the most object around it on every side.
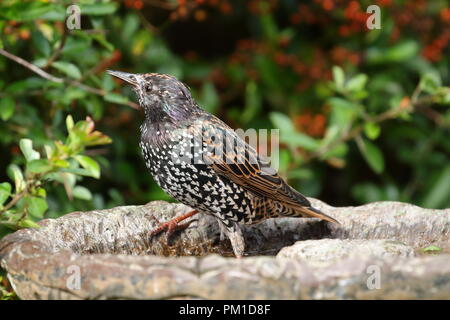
(162, 97)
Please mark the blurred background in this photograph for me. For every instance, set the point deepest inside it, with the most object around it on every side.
(364, 114)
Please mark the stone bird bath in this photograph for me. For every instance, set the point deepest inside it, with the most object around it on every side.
(107, 254)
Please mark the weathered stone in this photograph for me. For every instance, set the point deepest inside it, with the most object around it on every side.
(116, 258)
(328, 250)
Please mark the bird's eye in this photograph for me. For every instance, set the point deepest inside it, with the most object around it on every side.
(148, 88)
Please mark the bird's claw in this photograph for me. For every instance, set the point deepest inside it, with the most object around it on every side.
(173, 225)
(170, 227)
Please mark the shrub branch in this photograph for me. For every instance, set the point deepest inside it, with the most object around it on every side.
(52, 78)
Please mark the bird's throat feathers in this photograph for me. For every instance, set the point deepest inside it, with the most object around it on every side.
(161, 126)
(162, 111)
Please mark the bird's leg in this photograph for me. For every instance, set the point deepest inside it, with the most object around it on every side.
(173, 225)
(234, 233)
(223, 231)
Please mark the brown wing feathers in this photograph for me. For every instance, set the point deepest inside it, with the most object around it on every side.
(244, 167)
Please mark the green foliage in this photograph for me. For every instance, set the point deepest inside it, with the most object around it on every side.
(363, 114)
(6, 293)
(64, 163)
(6, 108)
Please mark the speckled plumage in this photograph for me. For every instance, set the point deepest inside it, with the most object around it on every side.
(200, 161)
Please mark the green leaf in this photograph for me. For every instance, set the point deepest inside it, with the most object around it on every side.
(26, 145)
(445, 98)
(70, 94)
(439, 192)
(357, 83)
(102, 40)
(395, 54)
(331, 134)
(301, 174)
(39, 166)
(40, 192)
(61, 163)
(15, 174)
(209, 98)
(403, 51)
(41, 43)
(252, 102)
(432, 248)
(343, 112)
(140, 42)
(49, 150)
(5, 192)
(27, 223)
(65, 178)
(298, 139)
(372, 130)
(76, 171)
(281, 121)
(68, 68)
(338, 77)
(339, 150)
(130, 25)
(82, 193)
(98, 9)
(115, 98)
(269, 71)
(33, 10)
(69, 122)
(289, 135)
(430, 82)
(25, 85)
(342, 103)
(6, 108)
(36, 206)
(373, 155)
(268, 24)
(107, 82)
(90, 165)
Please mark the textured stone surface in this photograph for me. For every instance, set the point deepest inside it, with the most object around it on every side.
(329, 250)
(116, 259)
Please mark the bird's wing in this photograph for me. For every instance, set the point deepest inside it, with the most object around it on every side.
(233, 158)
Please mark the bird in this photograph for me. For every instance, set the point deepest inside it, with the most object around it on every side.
(203, 163)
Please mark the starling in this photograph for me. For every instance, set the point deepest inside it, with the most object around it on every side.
(200, 161)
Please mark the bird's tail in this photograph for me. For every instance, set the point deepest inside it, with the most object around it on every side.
(315, 213)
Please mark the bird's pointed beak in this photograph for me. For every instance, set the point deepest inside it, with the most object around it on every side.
(127, 77)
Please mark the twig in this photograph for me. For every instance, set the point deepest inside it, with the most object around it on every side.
(30, 66)
(49, 77)
(14, 200)
(434, 116)
(18, 196)
(416, 94)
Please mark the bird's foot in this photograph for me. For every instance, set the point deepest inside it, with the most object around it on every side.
(234, 233)
(223, 231)
(173, 225)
